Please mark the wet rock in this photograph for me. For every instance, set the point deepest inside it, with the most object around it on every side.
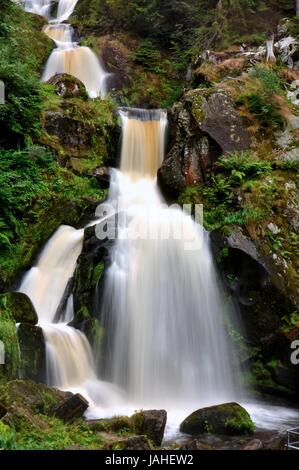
(255, 444)
(102, 174)
(68, 86)
(21, 307)
(151, 423)
(226, 419)
(277, 442)
(32, 352)
(72, 409)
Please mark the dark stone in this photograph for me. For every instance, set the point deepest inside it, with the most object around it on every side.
(21, 307)
(102, 174)
(226, 419)
(33, 352)
(72, 409)
(151, 423)
(196, 444)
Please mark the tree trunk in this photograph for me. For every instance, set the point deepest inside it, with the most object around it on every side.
(270, 50)
(297, 7)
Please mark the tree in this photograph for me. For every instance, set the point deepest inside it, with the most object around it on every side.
(297, 7)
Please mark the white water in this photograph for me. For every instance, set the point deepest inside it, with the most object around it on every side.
(65, 9)
(43, 8)
(38, 7)
(79, 61)
(68, 57)
(163, 310)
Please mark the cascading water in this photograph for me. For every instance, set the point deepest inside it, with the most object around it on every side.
(69, 58)
(80, 62)
(38, 7)
(162, 308)
(65, 9)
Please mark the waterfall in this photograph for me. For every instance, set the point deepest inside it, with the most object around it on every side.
(163, 309)
(65, 9)
(38, 7)
(68, 57)
(80, 62)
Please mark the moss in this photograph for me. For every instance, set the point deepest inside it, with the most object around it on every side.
(97, 274)
(240, 422)
(8, 335)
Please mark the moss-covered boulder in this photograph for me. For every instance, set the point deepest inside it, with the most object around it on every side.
(20, 306)
(226, 419)
(68, 86)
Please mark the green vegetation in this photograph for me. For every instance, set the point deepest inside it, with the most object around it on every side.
(23, 49)
(34, 195)
(8, 335)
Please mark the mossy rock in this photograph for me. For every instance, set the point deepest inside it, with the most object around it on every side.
(32, 352)
(20, 307)
(29, 395)
(225, 419)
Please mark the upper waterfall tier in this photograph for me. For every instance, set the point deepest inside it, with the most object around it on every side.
(143, 142)
(80, 62)
(43, 8)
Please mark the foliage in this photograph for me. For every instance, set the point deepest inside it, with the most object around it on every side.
(21, 57)
(34, 192)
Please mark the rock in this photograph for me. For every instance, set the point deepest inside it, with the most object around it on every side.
(288, 51)
(102, 174)
(68, 86)
(151, 423)
(196, 444)
(277, 442)
(72, 409)
(21, 307)
(205, 124)
(131, 443)
(226, 419)
(255, 444)
(32, 396)
(32, 352)
(273, 228)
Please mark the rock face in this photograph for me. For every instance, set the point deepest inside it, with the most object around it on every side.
(152, 424)
(88, 283)
(206, 125)
(21, 307)
(226, 419)
(32, 352)
(263, 299)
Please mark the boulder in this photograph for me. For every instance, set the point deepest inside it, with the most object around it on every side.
(225, 419)
(21, 307)
(151, 423)
(32, 352)
(255, 444)
(35, 397)
(72, 409)
(206, 124)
